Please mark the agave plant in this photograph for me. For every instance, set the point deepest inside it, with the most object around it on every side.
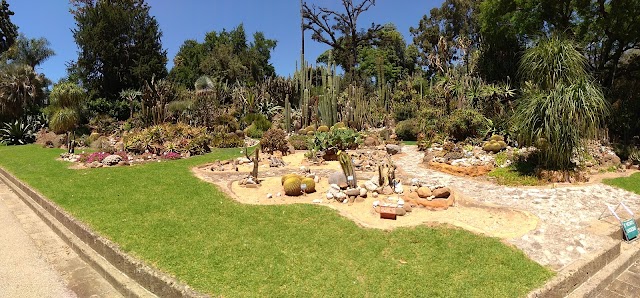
(17, 133)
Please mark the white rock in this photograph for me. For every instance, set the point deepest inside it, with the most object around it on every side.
(278, 195)
(345, 201)
(376, 204)
(316, 179)
(370, 186)
(400, 202)
(581, 250)
(329, 195)
(374, 194)
(340, 196)
(269, 196)
(335, 186)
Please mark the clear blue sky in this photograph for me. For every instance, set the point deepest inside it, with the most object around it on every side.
(191, 19)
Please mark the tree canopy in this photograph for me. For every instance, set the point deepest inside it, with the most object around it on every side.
(119, 46)
(8, 31)
(226, 56)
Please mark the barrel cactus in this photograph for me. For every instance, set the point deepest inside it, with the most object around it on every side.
(323, 128)
(287, 176)
(494, 146)
(292, 186)
(497, 138)
(311, 185)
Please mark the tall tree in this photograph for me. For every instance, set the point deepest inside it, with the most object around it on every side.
(447, 34)
(21, 90)
(340, 31)
(226, 56)
(30, 51)
(8, 31)
(120, 46)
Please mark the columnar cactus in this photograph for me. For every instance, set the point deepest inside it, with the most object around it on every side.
(347, 167)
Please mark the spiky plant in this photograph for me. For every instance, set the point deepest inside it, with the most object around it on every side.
(561, 102)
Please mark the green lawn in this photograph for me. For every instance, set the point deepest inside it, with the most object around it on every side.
(162, 214)
(631, 183)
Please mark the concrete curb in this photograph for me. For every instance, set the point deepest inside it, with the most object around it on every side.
(599, 281)
(128, 275)
(577, 273)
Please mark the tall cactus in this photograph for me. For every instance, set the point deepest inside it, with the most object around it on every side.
(287, 113)
(347, 167)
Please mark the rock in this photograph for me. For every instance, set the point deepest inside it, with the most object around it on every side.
(374, 194)
(340, 196)
(278, 195)
(123, 163)
(400, 211)
(387, 190)
(371, 141)
(111, 160)
(370, 186)
(441, 192)
(393, 149)
(437, 204)
(343, 185)
(399, 189)
(242, 160)
(363, 192)
(376, 203)
(352, 192)
(334, 186)
(424, 192)
(407, 207)
(329, 195)
(400, 202)
(316, 179)
(269, 196)
(337, 178)
(359, 200)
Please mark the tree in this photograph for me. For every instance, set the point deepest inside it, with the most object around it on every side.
(21, 91)
(226, 56)
(30, 51)
(8, 31)
(340, 31)
(119, 44)
(561, 106)
(64, 111)
(447, 34)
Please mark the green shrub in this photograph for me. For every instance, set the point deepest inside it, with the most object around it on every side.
(180, 138)
(18, 132)
(299, 142)
(340, 139)
(253, 132)
(258, 120)
(273, 140)
(226, 140)
(407, 130)
(465, 123)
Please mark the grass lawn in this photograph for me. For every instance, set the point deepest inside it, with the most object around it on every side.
(162, 214)
(631, 183)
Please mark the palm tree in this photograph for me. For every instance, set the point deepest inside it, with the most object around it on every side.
(130, 95)
(66, 100)
(21, 89)
(32, 51)
(561, 106)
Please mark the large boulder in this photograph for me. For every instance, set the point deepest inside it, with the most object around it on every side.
(337, 178)
(393, 149)
(424, 192)
(443, 192)
(111, 160)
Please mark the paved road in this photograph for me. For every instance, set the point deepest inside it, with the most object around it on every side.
(35, 262)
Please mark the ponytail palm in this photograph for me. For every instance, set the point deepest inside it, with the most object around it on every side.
(64, 112)
(562, 106)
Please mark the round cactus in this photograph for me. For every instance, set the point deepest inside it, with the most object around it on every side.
(323, 128)
(302, 131)
(310, 128)
(310, 133)
(503, 145)
(497, 138)
(287, 176)
(292, 186)
(339, 125)
(492, 146)
(311, 185)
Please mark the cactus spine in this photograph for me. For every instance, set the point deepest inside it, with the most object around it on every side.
(347, 167)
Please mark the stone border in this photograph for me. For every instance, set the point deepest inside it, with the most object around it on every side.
(580, 272)
(130, 276)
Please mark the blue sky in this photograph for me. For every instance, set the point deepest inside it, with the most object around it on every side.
(191, 19)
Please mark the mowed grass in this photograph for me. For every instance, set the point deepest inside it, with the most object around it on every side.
(162, 214)
(631, 183)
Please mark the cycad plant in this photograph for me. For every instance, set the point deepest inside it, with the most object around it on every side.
(561, 105)
(64, 111)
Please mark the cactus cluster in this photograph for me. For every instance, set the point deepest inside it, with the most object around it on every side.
(292, 184)
(495, 144)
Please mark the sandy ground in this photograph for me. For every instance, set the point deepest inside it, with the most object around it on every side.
(468, 214)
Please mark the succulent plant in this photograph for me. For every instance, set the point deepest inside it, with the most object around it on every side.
(311, 128)
(292, 186)
(311, 185)
(287, 176)
(323, 128)
(497, 138)
(310, 133)
(493, 146)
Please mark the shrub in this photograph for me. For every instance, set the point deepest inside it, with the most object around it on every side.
(17, 133)
(95, 156)
(299, 142)
(171, 155)
(407, 130)
(227, 140)
(340, 139)
(465, 123)
(273, 140)
(179, 138)
(258, 120)
(103, 124)
(253, 132)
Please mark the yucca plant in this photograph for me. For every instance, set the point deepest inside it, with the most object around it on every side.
(561, 106)
(66, 99)
(17, 133)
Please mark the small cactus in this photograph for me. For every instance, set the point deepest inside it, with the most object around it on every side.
(292, 186)
(323, 128)
(310, 133)
(494, 146)
(302, 131)
(339, 125)
(311, 128)
(497, 138)
(311, 185)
